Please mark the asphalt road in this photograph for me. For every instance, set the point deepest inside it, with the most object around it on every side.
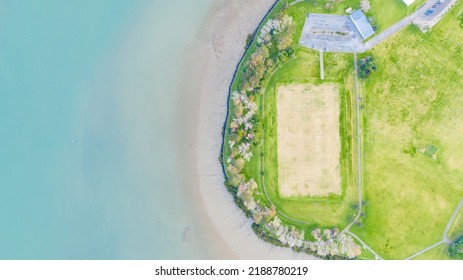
(396, 27)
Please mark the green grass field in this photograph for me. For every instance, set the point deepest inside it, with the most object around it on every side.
(412, 101)
(438, 253)
(387, 12)
(335, 210)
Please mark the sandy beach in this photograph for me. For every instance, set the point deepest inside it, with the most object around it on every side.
(208, 71)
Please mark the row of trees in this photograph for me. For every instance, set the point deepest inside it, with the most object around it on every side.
(259, 214)
(328, 242)
(245, 131)
(274, 39)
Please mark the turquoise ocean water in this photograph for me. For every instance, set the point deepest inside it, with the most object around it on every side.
(88, 164)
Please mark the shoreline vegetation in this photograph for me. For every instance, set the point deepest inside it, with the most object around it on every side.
(210, 62)
(270, 47)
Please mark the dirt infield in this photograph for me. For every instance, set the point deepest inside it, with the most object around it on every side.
(308, 140)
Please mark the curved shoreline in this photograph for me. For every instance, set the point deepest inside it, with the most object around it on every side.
(233, 80)
(222, 226)
(267, 220)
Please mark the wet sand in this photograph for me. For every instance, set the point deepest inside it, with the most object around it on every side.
(209, 66)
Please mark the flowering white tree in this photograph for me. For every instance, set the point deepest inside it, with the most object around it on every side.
(365, 5)
(248, 109)
(273, 27)
(327, 242)
(332, 243)
(247, 188)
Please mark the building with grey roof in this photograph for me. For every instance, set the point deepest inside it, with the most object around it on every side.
(362, 24)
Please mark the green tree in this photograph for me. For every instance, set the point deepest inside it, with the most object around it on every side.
(367, 66)
(456, 248)
(365, 5)
(284, 38)
(255, 68)
(248, 40)
(258, 134)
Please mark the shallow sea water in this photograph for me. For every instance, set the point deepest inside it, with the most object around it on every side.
(89, 165)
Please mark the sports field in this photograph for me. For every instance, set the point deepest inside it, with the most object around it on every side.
(411, 120)
(308, 140)
(306, 212)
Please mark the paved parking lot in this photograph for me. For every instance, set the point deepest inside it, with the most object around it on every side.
(433, 13)
(435, 10)
(331, 33)
(337, 33)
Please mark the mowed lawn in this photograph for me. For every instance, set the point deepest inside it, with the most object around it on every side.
(413, 100)
(334, 210)
(387, 12)
(438, 253)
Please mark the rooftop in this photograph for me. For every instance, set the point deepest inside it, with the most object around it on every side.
(362, 24)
